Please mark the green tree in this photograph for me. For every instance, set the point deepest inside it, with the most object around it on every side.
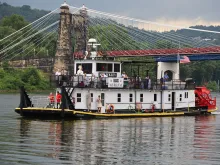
(14, 21)
(212, 85)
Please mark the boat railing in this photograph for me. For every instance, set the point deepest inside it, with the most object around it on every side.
(81, 81)
(40, 101)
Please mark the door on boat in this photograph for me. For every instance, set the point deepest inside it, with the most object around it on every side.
(103, 102)
(173, 101)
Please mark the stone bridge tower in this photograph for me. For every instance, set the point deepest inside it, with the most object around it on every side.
(70, 25)
(63, 56)
(80, 25)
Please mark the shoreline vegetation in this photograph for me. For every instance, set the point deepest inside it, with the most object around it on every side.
(34, 80)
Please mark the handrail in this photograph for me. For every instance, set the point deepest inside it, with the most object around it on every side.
(40, 101)
(128, 83)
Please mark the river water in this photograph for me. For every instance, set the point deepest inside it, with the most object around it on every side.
(160, 141)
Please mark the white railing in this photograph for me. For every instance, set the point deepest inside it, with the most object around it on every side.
(40, 101)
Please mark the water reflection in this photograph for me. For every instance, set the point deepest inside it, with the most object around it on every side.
(204, 136)
(54, 136)
(24, 128)
(131, 141)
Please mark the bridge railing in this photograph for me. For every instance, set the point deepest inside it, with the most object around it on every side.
(81, 81)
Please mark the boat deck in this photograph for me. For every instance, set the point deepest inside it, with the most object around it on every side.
(51, 112)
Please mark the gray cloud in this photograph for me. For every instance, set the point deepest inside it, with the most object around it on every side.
(175, 11)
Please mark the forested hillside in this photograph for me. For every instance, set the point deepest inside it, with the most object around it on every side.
(211, 37)
(29, 14)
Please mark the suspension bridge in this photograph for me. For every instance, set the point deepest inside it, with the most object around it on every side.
(118, 36)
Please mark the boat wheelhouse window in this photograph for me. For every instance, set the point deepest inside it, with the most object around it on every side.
(180, 97)
(91, 97)
(116, 67)
(155, 97)
(119, 97)
(86, 67)
(169, 96)
(78, 97)
(131, 97)
(141, 97)
(103, 67)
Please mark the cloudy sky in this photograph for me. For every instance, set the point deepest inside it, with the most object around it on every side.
(175, 12)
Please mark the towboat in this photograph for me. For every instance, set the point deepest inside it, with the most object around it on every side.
(98, 88)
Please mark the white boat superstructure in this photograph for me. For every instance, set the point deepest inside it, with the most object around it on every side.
(96, 76)
(98, 84)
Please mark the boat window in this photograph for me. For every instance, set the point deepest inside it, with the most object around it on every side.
(119, 97)
(180, 97)
(86, 67)
(131, 97)
(104, 67)
(78, 97)
(186, 94)
(169, 96)
(116, 67)
(155, 97)
(141, 97)
(91, 97)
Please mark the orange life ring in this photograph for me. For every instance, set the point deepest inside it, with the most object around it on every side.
(111, 108)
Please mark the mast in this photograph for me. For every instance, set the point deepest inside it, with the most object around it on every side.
(178, 64)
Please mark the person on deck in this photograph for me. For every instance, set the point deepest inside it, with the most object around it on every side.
(93, 82)
(123, 75)
(58, 77)
(149, 83)
(58, 99)
(80, 71)
(146, 82)
(103, 80)
(52, 101)
(99, 102)
(166, 77)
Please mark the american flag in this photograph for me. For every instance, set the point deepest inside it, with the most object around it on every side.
(184, 60)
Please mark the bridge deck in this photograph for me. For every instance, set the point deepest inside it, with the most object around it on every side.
(165, 55)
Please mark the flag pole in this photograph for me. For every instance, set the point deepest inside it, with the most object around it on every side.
(178, 63)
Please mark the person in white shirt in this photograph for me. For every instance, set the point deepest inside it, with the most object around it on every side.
(58, 73)
(58, 76)
(80, 72)
(103, 79)
(123, 75)
(93, 82)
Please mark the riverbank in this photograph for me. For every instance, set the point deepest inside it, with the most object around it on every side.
(32, 79)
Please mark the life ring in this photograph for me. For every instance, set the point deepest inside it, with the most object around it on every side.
(111, 108)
